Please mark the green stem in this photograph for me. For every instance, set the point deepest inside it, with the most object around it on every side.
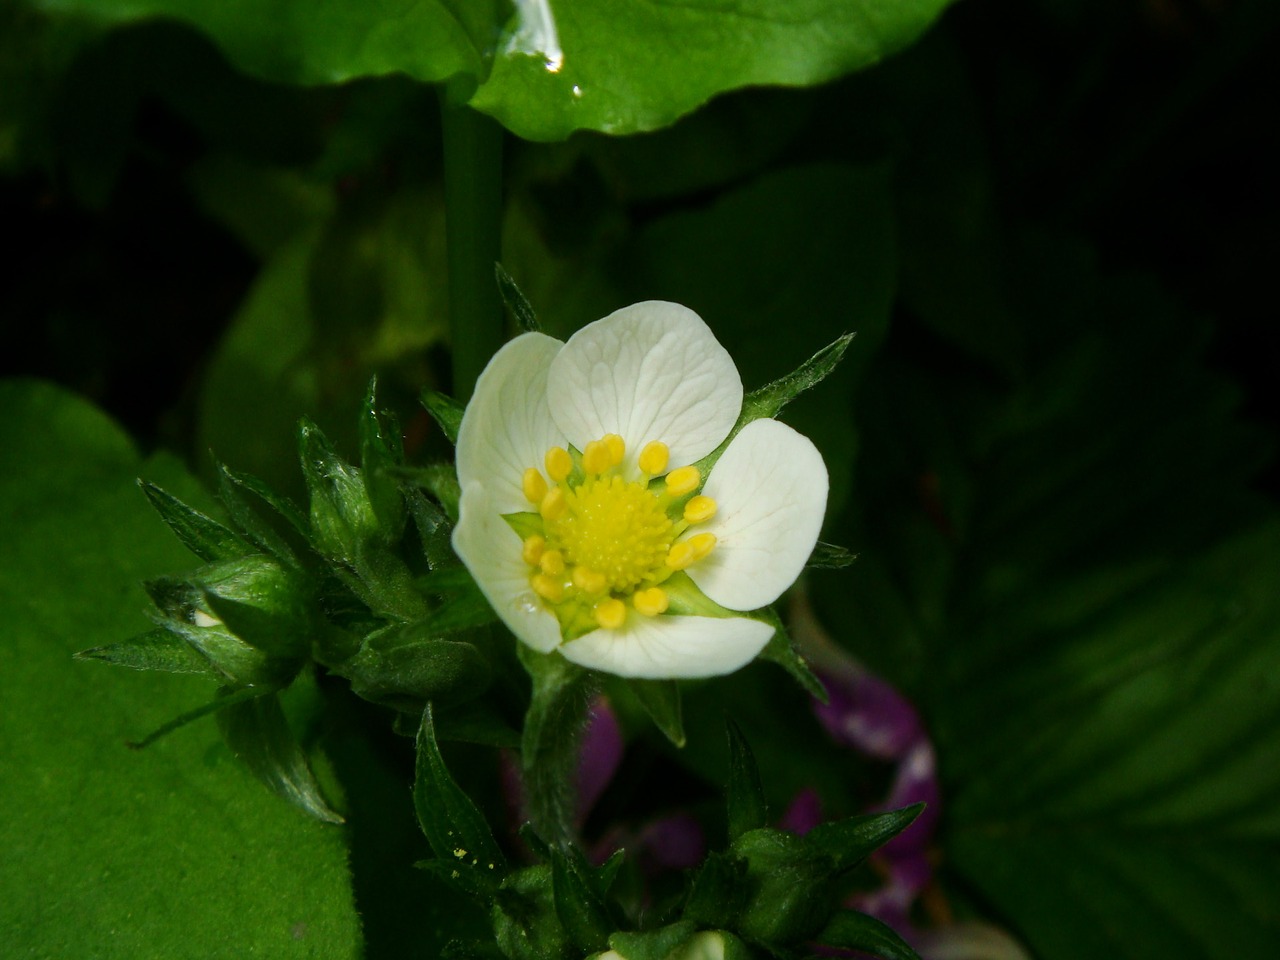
(552, 739)
(473, 230)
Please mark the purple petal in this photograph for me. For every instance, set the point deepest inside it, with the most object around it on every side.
(804, 814)
(916, 781)
(599, 756)
(867, 713)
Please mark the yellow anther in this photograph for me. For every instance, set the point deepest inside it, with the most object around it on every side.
(702, 544)
(617, 448)
(553, 505)
(533, 548)
(548, 588)
(654, 457)
(552, 562)
(558, 463)
(588, 581)
(610, 613)
(596, 458)
(680, 555)
(683, 480)
(535, 487)
(650, 602)
(699, 508)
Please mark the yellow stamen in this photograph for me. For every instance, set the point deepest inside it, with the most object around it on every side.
(653, 458)
(596, 458)
(553, 505)
(552, 563)
(610, 613)
(650, 602)
(588, 581)
(702, 544)
(533, 548)
(698, 509)
(683, 480)
(547, 587)
(535, 487)
(558, 463)
(617, 448)
(680, 555)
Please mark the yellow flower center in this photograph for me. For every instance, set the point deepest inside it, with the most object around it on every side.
(599, 544)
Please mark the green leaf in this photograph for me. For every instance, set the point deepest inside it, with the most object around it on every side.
(857, 931)
(849, 842)
(259, 735)
(545, 72)
(580, 904)
(745, 795)
(154, 650)
(516, 301)
(446, 411)
(661, 701)
(163, 852)
(381, 450)
(652, 944)
(455, 827)
(203, 536)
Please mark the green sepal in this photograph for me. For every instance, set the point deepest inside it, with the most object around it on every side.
(745, 794)
(769, 400)
(454, 826)
(789, 896)
(230, 485)
(580, 903)
(525, 922)
(438, 479)
(342, 518)
(653, 944)
(516, 301)
(445, 411)
(782, 651)
(851, 930)
(718, 892)
(459, 604)
(381, 450)
(404, 666)
(608, 870)
(202, 535)
(434, 529)
(849, 842)
(829, 556)
(661, 701)
(686, 600)
(266, 605)
(153, 650)
(258, 733)
(469, 879)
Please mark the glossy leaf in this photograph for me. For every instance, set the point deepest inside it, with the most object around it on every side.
(550, 70)
(162, 852)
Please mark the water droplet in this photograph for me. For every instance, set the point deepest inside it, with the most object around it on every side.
(577, 90)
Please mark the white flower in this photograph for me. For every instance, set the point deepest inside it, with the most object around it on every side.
(707, 945)
(586, 523)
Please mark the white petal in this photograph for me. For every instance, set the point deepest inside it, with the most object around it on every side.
(491, 551)
(664, 647)
(770, 488)
(507, 426)
(651, 371)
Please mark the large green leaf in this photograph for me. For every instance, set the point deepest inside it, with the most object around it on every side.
(171, 851)
(1075, 582)
(546, 70)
